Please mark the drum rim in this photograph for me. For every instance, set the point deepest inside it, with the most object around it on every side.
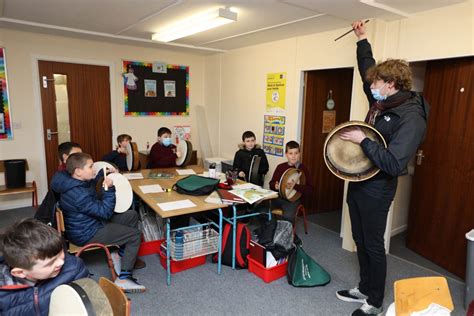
(350, 176)
(132, 152)
(189, 151)
(122, 177)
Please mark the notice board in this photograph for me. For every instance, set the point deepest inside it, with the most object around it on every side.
(155, 89)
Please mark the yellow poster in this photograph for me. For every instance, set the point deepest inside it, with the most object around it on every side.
(276, 91)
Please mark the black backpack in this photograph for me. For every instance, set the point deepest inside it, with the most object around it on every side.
(196, 185)
(46, 213)
(242, 245)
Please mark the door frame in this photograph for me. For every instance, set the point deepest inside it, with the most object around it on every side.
(43, 181)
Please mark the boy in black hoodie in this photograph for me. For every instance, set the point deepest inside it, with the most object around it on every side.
(243, 158)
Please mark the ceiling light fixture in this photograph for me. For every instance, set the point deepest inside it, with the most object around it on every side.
(195, 24)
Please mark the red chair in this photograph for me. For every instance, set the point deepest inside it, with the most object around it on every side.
(77, 250)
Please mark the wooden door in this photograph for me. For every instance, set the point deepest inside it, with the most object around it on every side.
(328, 190)
(442, 199)
(88, 104)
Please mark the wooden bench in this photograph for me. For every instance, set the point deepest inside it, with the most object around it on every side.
(30, 187)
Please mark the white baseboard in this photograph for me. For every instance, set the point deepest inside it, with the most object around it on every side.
(398, 230)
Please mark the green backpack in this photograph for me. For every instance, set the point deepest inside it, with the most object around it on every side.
(303, 271)
(196, 185)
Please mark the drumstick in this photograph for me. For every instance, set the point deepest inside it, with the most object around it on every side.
(106, 188)
(366, 21)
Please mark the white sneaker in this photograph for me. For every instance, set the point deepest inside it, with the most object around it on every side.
(367, 309)
(130, 285)
(117, 261)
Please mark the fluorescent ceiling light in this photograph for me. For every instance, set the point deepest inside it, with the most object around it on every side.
(195, 24)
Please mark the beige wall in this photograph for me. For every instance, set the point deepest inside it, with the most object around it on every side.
(22, 51)
(442, 33)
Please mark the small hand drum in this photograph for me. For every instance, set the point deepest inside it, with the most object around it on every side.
(347, 160)
(291, 174)
(186, 149)
(123, 192)
(133, 159)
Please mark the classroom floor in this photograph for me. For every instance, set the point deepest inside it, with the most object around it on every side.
(202, 291)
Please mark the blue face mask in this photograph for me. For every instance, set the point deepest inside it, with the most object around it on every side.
(376, 94)
(166, 141)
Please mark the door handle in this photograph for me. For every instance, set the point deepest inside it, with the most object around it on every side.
(419, 157)
(49, 133)
(45, 81)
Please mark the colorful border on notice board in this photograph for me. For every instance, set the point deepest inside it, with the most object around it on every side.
(147, 64)
(5, 117)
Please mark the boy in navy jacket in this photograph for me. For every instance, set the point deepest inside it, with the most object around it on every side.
(119, 156)
(32, 266)
(89, 218)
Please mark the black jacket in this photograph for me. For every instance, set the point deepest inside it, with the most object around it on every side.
(403, 128)
(243, 159)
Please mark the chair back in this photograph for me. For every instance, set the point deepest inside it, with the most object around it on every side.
(117, 299)
(60, 221)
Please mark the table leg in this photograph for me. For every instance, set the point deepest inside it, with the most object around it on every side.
(219, 244)
(234, 229)
(168, 243)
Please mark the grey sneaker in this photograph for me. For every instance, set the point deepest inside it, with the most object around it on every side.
(367, 309)
(117, 261)
(352, 295)
(130, 285)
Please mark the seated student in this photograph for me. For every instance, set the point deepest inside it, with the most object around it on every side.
(292, 151)
(89, 218)
(243, 158)
(163, 153)
(64, 150)
(32, 266)
(119, 156)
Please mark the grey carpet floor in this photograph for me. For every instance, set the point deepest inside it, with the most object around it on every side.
(237, 292)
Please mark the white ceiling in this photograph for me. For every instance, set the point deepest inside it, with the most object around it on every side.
(134, 21)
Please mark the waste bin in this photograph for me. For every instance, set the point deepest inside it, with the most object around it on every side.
(15, 173)
(469, 297)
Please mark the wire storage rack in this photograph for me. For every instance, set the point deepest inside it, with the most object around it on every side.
(193, 243)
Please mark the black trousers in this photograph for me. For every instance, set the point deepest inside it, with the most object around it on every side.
(368, 221)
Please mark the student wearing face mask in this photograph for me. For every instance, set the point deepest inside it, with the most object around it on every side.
(400, 115)
(163, 153)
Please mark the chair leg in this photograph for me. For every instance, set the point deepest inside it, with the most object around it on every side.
(107, 253)
(301, 210)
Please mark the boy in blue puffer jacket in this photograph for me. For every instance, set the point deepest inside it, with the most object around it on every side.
(32, 266)
(90, 219)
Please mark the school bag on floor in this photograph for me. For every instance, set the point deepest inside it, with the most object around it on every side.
(242, 245)
(196, 185)
(303, 271)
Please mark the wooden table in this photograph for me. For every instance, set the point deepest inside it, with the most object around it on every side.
(152, 199)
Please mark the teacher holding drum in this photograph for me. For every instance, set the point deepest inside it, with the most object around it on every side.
(399, 116)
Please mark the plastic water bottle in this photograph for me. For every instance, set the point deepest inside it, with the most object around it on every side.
(178, 245)
(212, 171)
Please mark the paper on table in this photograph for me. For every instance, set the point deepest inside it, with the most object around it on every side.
(183, 172)
(245, 186)
(152, 188)
(176, 205)
(133, 176)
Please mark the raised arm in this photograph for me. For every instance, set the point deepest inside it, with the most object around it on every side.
(365, 59)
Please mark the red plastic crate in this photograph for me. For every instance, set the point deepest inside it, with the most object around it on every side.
(150, 247)
(267, 275)
(153, 247)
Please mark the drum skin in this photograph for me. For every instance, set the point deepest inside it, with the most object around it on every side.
(347, 160)
(123, 191)
(291, 174)
(186, 149)
(133, 160)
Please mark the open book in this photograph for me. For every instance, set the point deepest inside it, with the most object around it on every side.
(252, 195)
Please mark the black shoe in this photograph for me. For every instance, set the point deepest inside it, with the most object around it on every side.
(367, 309)
(352, 295)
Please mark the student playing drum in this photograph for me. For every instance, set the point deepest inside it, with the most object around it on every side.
(292, 152)
(119, 156)
(163, 153)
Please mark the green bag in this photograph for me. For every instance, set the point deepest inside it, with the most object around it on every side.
(303, 271)
(196, 185)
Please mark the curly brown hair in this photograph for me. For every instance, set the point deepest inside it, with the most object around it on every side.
(392, 70)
